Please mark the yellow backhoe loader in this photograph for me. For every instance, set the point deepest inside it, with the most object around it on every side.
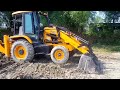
(31, 37)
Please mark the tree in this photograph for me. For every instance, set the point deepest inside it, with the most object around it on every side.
(73, 20)
(79, 19)
(112, 16)
(5, 16)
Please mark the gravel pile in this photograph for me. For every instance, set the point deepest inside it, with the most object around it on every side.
(46, 69)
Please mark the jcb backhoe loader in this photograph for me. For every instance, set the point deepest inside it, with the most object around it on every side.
(31, 37)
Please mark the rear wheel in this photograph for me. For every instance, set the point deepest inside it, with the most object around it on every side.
(22, 51)
(59, 55)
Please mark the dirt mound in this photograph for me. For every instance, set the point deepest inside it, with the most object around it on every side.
(45, 69)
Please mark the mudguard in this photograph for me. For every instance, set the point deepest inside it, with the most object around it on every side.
(21, 37)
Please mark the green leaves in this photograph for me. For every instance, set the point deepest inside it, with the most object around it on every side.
(5, 16)
(112, 16)
(73, 20)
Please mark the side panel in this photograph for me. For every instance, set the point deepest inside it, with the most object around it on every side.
(21, 36)
(61, 42)
(47, 31)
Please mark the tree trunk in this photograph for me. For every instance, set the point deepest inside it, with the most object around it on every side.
(81, 31)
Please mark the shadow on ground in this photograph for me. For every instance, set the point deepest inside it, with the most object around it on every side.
(42, 59)
(72, 62)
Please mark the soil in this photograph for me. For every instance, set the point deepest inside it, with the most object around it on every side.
(44, 68)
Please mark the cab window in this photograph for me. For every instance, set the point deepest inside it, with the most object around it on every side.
(28, 23)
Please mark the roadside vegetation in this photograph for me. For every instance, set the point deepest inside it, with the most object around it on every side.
(102, 33)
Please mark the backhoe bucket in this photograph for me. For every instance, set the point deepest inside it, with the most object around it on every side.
(89, 63)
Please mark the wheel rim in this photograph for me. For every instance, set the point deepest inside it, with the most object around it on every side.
(20, 52)
(59, 55)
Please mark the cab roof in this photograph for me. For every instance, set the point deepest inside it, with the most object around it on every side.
(18, 12)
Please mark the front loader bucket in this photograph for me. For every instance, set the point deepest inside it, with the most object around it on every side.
(89, 63)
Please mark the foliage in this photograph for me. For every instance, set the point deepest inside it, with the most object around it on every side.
(112, 16)
(5, 16)
(74, 20)
(83, 23)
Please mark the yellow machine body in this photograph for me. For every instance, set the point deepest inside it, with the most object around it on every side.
(63, 39)
(56, 41)
(5, 46)
(21, 37)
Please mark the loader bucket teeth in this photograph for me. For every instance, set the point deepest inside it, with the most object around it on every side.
(89, 64)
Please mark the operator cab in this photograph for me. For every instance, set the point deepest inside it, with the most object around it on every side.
(29, 23)
(26, 23)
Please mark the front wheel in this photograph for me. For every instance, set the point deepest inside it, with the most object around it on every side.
(22, 51)
(59, 55)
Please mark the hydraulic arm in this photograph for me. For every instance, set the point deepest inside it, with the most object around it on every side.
(75, 41)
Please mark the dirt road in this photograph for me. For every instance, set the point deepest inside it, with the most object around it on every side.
(46, 69)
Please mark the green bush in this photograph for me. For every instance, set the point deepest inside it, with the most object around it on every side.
(4, 32)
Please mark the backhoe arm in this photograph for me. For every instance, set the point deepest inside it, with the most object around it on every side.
(74, 42)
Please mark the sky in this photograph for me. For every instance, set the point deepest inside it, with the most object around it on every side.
(100, 14)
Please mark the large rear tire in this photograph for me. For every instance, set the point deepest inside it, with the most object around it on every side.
(59, 55)
(22, 51)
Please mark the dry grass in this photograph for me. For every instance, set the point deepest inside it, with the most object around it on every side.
(106, 48)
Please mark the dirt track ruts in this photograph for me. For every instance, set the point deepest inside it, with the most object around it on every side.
(45, 69)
